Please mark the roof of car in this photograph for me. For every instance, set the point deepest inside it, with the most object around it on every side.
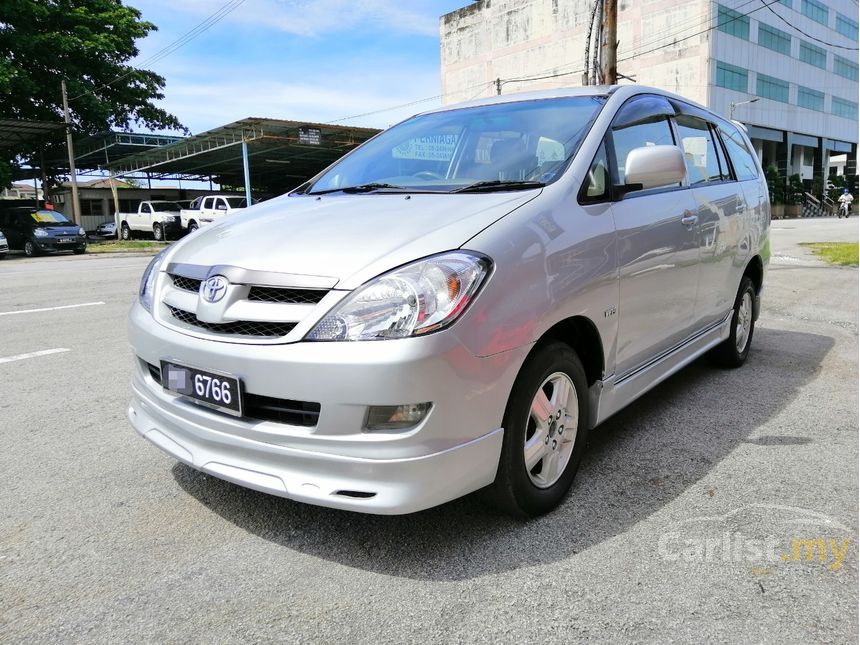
(563, 92)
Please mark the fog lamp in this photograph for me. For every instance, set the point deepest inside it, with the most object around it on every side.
(395, 417)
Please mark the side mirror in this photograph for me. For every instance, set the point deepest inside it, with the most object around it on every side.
(654, 166)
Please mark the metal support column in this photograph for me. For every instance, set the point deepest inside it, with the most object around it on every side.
(247, 172)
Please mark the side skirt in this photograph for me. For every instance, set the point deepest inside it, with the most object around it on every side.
(612, 394)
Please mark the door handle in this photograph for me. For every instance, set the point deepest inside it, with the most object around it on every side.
(689, 220)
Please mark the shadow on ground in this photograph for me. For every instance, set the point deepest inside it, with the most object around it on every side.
(638, 461)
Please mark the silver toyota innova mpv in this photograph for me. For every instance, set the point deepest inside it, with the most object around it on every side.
(456, 303)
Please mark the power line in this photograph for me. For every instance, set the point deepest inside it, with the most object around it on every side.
(798, 29)
(180, 42)
(483, 86)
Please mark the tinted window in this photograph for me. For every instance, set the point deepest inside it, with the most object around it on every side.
(208, 202)
(237, 202)
(146, 209)
(595, 188)
(638, 135)
(700, 155)
(744, 162)
(721, 155)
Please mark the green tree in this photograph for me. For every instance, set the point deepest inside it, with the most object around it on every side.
(89, 43)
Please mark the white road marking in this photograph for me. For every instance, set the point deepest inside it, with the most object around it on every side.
(33, 311)
(44, 352)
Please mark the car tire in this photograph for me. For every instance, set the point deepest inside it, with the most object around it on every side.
(157, 232)
(30, 249)
(733, 351)
(540, 457)
(125, 232)
(192, 226)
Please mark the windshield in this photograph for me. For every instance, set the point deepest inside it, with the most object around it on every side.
(166, 206)
(50, 218)
(236, 202)
(527, 141)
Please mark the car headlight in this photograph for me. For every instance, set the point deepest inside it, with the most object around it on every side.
(82, 232)
(147, 282)
(415, 299)
(40, 232)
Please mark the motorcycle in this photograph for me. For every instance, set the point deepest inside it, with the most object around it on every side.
(844, 210)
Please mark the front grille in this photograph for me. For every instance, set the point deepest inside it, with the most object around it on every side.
(286, 295)
(267, 408)
(236, 328)
(186, 284)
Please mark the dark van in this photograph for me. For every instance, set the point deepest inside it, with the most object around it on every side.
(36, 231)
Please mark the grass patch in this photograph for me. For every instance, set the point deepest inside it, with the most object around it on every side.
(841, 253)
(125, 246)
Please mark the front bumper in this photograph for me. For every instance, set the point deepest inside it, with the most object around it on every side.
(52, 245)
(453, 451)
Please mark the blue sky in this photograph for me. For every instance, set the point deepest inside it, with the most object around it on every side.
(312, 60)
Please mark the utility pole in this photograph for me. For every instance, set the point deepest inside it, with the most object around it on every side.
(498, 86)
(610, 41)
(76, 202)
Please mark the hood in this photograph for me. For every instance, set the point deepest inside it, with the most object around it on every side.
(349, 238)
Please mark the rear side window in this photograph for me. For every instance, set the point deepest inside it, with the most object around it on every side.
(700, 153)
(207, 203)
(744, 162)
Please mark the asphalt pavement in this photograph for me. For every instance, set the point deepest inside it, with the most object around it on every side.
(722, 507)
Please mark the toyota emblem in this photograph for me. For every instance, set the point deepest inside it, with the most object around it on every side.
(213, 289)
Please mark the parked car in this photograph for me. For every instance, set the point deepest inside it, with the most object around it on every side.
(457, 303)
(210, 208)
(37, 231)
(156, 217)
(106, 229)
(4, 246)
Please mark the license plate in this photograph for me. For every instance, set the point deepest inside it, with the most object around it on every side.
(213, 390)
(66, 240)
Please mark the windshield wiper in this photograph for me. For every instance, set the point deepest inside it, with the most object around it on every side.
(361, 188)
(499, 184)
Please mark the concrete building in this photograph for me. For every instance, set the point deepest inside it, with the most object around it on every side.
(19, 191)
(797, 57)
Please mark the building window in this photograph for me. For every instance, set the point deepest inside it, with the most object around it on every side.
(810, 99)
(775, 39)
(846, 26)
(732, 78)
(772, 88)
(91, 207)
(815, 10)
(732, 22)
(845, 68)
(813, 55)
(843, 108)
(787, 3)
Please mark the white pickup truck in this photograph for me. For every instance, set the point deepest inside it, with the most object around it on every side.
(160, 218)
(210, 208)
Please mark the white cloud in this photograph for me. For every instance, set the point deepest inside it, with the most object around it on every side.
(204, 104)
(319, 17)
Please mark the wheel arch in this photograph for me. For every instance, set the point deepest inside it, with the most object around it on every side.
(581, 334)
(755, 272)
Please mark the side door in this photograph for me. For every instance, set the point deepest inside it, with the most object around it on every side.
(657, 236)
(207, 209)
(144, 218)
(221, 208)
(17, 232)
(720, 203)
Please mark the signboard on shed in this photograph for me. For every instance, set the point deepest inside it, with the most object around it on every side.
(310, 136)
